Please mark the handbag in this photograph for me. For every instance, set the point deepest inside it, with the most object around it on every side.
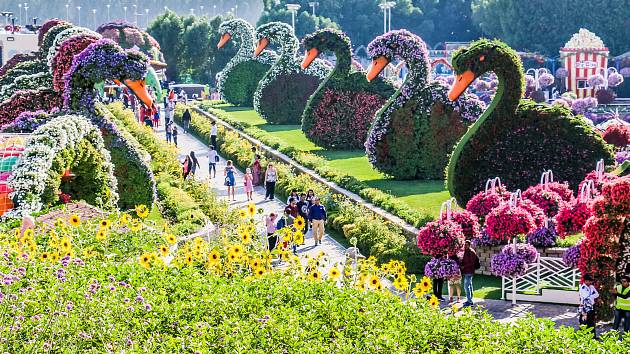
(216, 158)
(227, 181)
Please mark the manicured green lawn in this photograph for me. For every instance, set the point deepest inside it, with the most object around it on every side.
(425, 196)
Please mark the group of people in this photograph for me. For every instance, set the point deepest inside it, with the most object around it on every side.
(305, 205)
(589, 296)
(468, 263)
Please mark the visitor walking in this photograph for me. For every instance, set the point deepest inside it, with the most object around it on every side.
(249, 185)
(186, 167)
(175, 132)
(292, 208)
(622, 304)
(317, 217)
(156, 118)
(256, 170)
(293, 195)
(310, 195)
(230, 180)
(169, 132)
(213, 158)
(303, 206)
(194, 164)
(586, 311)
(213, 134)
(272, 238)
(271, 176)
(438, 283)
(186, 117)
(470, 263)
(455, 283)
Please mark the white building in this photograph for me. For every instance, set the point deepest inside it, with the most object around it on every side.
(14, 43)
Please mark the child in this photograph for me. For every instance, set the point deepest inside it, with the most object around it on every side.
(249, 185)
(272, 238)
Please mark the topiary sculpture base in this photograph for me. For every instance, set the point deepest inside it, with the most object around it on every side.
(284, 99)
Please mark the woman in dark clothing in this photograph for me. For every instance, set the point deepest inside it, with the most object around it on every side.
(186, 166)
(186, 117)
(194, 163)
(438, 283)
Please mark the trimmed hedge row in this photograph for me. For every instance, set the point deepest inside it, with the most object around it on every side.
(375, 236)
(321, 167)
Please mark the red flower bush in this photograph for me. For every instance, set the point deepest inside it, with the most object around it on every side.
(343, 118)
(562, 189)
(592, 176)
(28, 100)
(549, 201)
(572, 217)
(62, 61)
(483, 202)
(536, 212)
(443, 237)
(614, 199)
(467, 221)
(45, 28)
(15, 60)
(617, 135)
(506, 221)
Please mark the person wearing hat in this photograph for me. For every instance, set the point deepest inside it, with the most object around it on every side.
(317, 217)
(588, 294)
(622, 304)
(470, 263)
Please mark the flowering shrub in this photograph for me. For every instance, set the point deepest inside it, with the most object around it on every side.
(562, 73)
(30, 177)
(51, 34)
(483, 202)
(505, 222)
(484, 240)
(61, 38)
(21, 69)
(605, 96)
(508, 265)
(545, 80)
(572, 217)
(615, 79)
(128, 35)
(443, 237)
(598, 183)
(549, 201)
(27, 122)
(581, 105)
(571, 256)
(340, 112)
(614, 199)
(535, 211)
(62, 61)
(596, 80)
(525, 251)
(37, 81)
(282, 93)
(239, 78)
(46, 26)
(543, 237)
(467, 221)
(618, 135)
(16, 59)
(28, 100)
(441, 268)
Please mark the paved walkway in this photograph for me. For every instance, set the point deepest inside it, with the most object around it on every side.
(502, 311)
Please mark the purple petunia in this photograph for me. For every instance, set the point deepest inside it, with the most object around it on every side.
(508, 265)
(525, 251)
(441, 268)
(543, 237)
(571, 256)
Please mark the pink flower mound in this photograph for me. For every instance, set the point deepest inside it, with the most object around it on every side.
(505, 222)
(468, 222)
(549, 201)
(440, 238)
(63, 58)
(592, 176)
(537, 213)
(343, 118)
(28, 100)
(617, 135)
(615, 198)
(483, 202)
(572, 217)
(46, 27)
(562, 189)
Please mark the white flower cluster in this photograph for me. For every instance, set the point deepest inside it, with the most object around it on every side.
(242, 33)
(26, 82)
(282, 35)
(62, 37)
(29, 176)
(585, 39)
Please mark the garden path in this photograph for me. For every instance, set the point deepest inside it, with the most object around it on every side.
(502, 311)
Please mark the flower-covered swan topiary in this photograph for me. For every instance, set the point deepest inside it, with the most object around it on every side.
(282, 93)
(237, 82)
(339, 114)
(516, 139)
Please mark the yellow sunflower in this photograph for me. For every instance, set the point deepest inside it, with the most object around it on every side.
(214, 256)
(101, 234)
(243, 213)
(314, 275)
(237, 249)
(29, 233)
(245, 237)
(145, 260)
(105, 223)
(135, 225)
(232, 257)
(59, 222)
(433, 301)
(334, 273)
(454, 308)
(251, 209)
(44, 257)
(259, 272)
(299, 223)
(142, 211)
(189, 259)
(65, 245)
(298, 238)
(255, 263)
(374, 281)
(425, 284)
(75, 220)
(418, 291)
(124, 219)
(54, 257)
(164, 250)
(171, 239)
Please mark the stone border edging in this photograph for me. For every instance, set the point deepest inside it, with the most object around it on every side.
(408, 229)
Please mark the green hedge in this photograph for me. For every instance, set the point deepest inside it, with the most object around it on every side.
(321, 167)
(284, 99)
(376, 236)
(241, 83)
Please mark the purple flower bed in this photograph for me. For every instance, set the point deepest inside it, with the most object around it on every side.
(525, 251)
(543, 237)
(571, 256)
(441, 268)
(622, 156)
(484, 240)
(508, 265)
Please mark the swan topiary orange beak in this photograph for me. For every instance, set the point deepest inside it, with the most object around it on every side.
(377, 66)
(224, 39)
(462, 81)
(262, 44)
(139, 88)
(311, 55)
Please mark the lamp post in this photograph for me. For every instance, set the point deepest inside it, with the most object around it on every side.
(293, 8)
(146, 13)
(192, 12)
(108, 6)
(236, 11)
(94, 17)
(67, 12)
(79, 10)
(214, 10)
(313, 5)
(125, 9)
(135, 14)
(386, 6)
(20, 12)
(201, 10)
(26, 21)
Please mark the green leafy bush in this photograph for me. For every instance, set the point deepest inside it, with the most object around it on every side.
(239, 87)
(283, 100)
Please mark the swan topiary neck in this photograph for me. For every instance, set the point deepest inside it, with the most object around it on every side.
(281, 35)
(332, 40)
(242, 33)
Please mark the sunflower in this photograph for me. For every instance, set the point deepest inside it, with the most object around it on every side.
(418, 292)
(105, 223)
(334, 273)
(425, 284)
(171, 239)
(299, 223)
(101, 234)
(75, 220)
(214, 256)
(243, 213)
(237, 249)
(145, 260)
(29, 233)
(454, 308)
(255, 263)
(401, 284)
(142, 211)
(314, 275)
(65, 245)
(54, 257)
(59, 222)
(163, 250)
(44, 257)
(374, 282)
(245, 237)
(232, 257)
(188, 259)
(124, 219)
(385, 268)
(251, 209)
(135, 225)
(259, 272)
(433, 301)
(298, 238)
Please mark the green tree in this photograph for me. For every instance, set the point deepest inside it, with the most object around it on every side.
(544, 26)
(167, 29)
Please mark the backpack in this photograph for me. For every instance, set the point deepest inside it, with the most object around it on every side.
(281, 223)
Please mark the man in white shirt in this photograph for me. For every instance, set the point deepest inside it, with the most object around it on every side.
(213, 135)
(212, 161)
(588, 294)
